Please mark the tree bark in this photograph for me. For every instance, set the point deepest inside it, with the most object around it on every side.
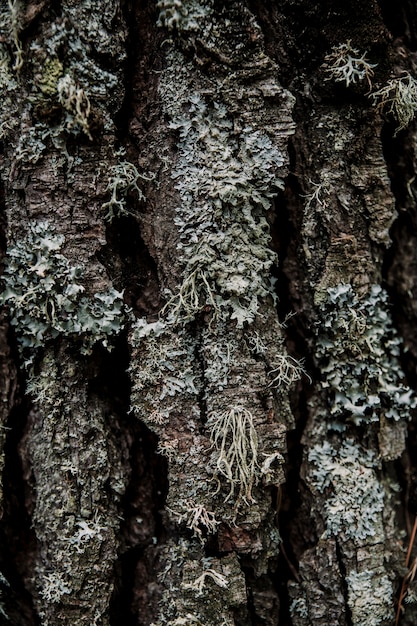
(207, 341)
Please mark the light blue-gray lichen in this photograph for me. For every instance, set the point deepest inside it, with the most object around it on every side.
(354, 501)
(358, 351)
(370, 598)
(44, 295)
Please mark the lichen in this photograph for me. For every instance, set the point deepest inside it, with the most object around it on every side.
(358, 350)
(226, 181)
(346, 64)
(10, 26)
(370, 597)
(76, 104)
(182, 15)
(354, 497)
(234, 436)
(123, 179)
(44, 295)
(398, 97)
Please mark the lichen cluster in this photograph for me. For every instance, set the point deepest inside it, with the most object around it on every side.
(346, 64)
(225, 181)
(354, 501)
(358, 351)
(370, 597)
(182, 15)
(46, 299)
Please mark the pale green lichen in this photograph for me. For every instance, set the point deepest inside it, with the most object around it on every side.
(8, 86)
(354, 495)
(162, 352)
(10, 18)
(45, 298)
(76, 104)
(358, 350)
(233, 434)
(398, 97)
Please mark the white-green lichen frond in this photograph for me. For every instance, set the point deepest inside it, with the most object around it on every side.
(123, 180)
(45, 297)
(398, 97)
(354, 496)
(234, 437)
(10, 25)
(358, 351)
(199, 584)
(370, 598)
(226, 181)
(345, 64)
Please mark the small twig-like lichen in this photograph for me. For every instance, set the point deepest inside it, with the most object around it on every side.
(195, 516)
(285, 371)
(122, 180)
(233, 434)
(199, 584)
(345, 64)
(193, 295)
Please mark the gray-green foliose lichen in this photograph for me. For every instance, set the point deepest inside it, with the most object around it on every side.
(226, 181)
(45, 296)
(358, 350)
(354, 495)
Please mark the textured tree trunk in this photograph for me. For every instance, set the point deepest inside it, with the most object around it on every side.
(207, 339)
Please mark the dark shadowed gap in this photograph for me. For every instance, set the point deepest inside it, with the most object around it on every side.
(130, 266)
(141, 527)
(401, 20)
(17, 538)
(295, 500)
(144, 60)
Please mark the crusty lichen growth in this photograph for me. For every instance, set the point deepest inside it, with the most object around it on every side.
(76, 514)
(45, 298)
(370, 596)
(226, 181)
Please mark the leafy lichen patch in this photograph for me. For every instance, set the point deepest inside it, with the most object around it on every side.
(358, 350)
(44, 294)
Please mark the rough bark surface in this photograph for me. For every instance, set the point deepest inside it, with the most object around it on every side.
(207, 338)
